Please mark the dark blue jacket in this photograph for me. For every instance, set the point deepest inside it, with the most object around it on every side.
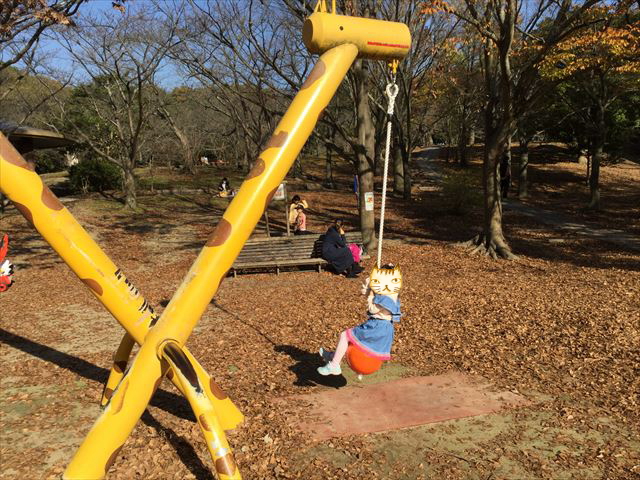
(335, 250)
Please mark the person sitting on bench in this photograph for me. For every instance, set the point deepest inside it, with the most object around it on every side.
(293, 213)
(337, 253)
(301, 221)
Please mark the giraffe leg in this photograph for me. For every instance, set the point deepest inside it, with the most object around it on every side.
(110, 431)
(204, 410)
(120, 360)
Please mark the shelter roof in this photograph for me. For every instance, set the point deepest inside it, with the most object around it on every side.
(35, 138)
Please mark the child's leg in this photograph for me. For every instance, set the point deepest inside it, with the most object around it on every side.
(341, 349)
(333, 367)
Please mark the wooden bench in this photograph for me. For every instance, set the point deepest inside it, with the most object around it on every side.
(282, 252)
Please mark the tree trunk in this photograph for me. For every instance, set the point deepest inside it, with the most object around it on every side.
(428, 139)
(594, 178)
(187, 151)
(497, 135)
(522, 167)
(245, 166)
(598, 148)
(463, 138)
(129, 186)
(365, 152)
(328, 172)
(297, 167)
(398, 172)
(498, 126)
(406, 168)
(493, 240)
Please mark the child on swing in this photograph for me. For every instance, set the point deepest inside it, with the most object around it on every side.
(375, 336)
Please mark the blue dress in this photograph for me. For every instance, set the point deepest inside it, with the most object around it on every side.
(375, 336)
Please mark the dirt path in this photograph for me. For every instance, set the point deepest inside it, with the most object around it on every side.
(564, 222)
(556, 220)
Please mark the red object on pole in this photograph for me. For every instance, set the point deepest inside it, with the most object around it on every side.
(6, 267)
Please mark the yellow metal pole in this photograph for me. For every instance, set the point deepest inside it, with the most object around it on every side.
(98, 452)
(203, 279)
(255, 194)
(59, 228)
(120, 360)
(219, 449)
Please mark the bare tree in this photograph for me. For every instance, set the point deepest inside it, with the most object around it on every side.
(220, 45)
(121, 58)
(428, 35)
(246, 54)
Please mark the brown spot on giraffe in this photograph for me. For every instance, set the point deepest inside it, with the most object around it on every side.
(216, 390)
(317, 72)
(112, 459)
(120, 366)
(26, 213)
(226, 465)
(257, 170)
(220, 234)
(119, 398)
(93, 285)
(204, 423)
(108, 393)
(277, 140)
(50, 200)
(269, 197)
(11, 155)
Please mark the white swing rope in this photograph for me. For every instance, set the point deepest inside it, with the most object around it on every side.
(392, 92)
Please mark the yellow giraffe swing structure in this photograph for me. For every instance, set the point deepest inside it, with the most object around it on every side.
(339, 40)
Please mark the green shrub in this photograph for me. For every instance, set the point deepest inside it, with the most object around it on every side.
(94, 175)
(461, 192)
(49, 161)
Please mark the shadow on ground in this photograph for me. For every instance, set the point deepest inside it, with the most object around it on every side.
(162, 399)
(305, 368)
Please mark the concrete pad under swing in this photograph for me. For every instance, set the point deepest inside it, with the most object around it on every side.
(402, 403)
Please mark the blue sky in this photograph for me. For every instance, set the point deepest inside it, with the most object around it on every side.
(57, 57)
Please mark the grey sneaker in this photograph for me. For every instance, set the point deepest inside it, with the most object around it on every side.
(329, 369)
(326, 355)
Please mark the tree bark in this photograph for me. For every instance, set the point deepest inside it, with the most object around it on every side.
(406, 161)
(463, 138)
(522, 167)
(365, 152)
(297, 168)
(246, 163)
(328, 172)
(129, 186)
(187, 151)
(494, 240)
(428, 139)
(594, 178)
(598, 148)
(499, 123)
